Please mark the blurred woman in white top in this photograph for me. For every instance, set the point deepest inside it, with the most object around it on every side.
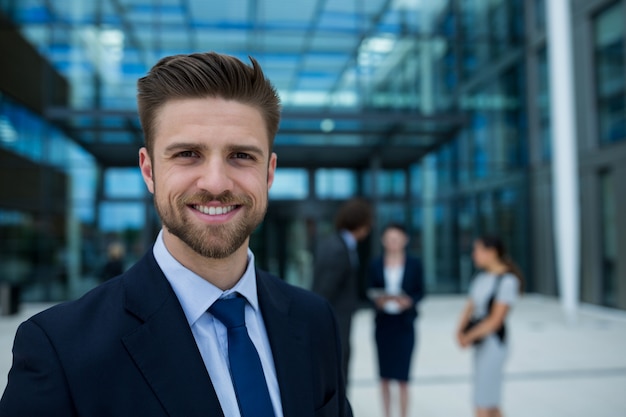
(492, 293)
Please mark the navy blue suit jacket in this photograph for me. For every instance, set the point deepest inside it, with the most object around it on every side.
(126, 349)
(412, 281)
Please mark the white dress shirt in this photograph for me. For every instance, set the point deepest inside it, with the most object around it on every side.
(393, 279)
(196, 295)
(393, 286)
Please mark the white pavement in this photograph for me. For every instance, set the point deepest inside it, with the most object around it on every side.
(555, 369)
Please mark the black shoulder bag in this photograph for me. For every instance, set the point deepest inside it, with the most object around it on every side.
(501, 332)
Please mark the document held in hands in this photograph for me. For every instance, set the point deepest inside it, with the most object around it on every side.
(391, 305)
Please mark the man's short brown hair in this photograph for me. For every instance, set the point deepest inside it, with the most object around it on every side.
(354, 214)
(203, 75)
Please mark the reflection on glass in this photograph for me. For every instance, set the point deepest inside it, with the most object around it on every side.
(486, 218)
(290, 184)
(389, 183)
(480, 159)
(35, 239)
(415, 173)
(464, 165)
(543, 106)
(446, 167)
(391, 213)
(123, 183)
(511, 222)
(335, 183)
(489, 30)
(497, 126)
(540, 15)
(121, 217)
(609, 239)
(466, 229)
(611, 67)
(446, 272)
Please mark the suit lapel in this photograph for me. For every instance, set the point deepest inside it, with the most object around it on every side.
(406, 285)
(290, 348)
(163, 347)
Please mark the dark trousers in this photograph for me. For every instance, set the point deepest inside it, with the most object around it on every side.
(344, 320)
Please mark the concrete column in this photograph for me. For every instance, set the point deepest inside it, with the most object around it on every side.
(564, 156)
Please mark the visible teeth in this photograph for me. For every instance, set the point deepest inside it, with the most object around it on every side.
(213, 211)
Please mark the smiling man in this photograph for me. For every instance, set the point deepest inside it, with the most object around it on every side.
(192, 329)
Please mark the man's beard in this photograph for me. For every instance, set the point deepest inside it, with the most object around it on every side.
(211, 241)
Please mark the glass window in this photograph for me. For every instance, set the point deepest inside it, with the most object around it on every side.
(609, 239)
(415, 171)
(466, 229)
(511, 222)
(39, 244)
(486, 218)
(391, 213)
(474, 37)
(335, 183)
(446, 166)
(543, 106)
(290, 183)
(415, 225)
(464, 165)
(540, 15)
(388, 183)
(17, 245)
(480, 159)
(445, 257)
(119, 217)
(123, 183)
(510, 130)
(610, 76)
(497, 127)
(499, 27)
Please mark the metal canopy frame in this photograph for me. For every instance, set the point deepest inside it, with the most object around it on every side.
(328, 59)
(397, 138)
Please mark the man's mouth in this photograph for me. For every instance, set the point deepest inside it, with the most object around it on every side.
(214, 210)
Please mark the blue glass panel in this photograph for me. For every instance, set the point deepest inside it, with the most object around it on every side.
(335, 183)
(118, 217)
(123, 183)
(290, 184)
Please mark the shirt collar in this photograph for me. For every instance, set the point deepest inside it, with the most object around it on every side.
(348, 238)
(196, 294)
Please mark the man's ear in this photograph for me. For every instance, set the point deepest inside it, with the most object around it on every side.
(271, 170)
(145, 164)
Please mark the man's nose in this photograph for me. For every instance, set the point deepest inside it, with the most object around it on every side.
(215, 176)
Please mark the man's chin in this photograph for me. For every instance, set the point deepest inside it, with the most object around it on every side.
(212, 247)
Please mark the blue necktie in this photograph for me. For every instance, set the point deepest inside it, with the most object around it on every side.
(245, 366)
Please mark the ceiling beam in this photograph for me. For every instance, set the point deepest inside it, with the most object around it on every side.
(366, 115)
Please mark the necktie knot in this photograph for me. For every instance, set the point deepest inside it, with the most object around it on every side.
(230, 311)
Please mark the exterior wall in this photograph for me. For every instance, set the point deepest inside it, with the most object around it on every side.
(594, 159)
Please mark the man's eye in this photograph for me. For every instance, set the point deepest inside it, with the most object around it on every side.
(187, 154)
(242, 155)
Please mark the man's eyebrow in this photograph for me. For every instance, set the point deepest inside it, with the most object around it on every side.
(180, 146)
(246, 148)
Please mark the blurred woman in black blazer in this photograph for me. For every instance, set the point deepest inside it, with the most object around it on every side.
(396, 287)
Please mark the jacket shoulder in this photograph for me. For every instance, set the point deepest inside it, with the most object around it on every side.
(299, 299)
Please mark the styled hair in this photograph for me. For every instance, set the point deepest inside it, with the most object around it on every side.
(354, 214)
(495, 243)
(396, 226)
(203, 75)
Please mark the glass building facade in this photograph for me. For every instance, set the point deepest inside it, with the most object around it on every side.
(440, 115)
